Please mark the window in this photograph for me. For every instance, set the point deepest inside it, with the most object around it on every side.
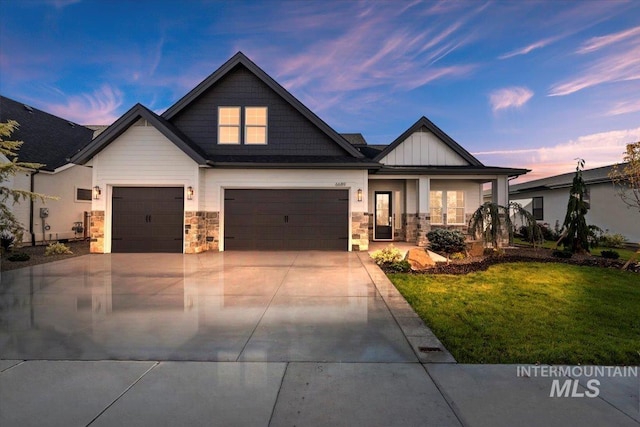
(255, 125)
(83, 194)
(229, 125)
(537, 208)
(455, 207)
(435, 198)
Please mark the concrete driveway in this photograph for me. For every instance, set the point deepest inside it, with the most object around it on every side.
(249, 338)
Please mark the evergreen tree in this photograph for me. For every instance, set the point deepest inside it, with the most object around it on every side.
(575, 234)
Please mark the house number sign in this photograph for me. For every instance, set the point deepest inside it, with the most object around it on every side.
(341, 184)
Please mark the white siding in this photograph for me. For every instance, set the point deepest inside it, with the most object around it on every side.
(425, 149)
(21, 181)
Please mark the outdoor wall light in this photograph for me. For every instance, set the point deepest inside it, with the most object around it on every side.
(359, 194)
(96, 192)
(189, 193)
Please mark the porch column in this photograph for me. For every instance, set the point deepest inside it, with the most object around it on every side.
(423, 218)
(500, 191)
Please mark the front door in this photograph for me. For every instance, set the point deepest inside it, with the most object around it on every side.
(384, 215)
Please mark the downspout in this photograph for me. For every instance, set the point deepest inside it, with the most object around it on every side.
(31, 207)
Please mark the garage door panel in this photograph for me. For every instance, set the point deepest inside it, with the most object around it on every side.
(286, 219)
(147, 219)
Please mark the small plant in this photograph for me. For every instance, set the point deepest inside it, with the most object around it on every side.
(612, 240)
(19, 256)
(401, 266)
(566, 254)
(6, 241)
(57, 249)
(446, 241)
(387, 255)
(609, 254)
(497, 252)
(458, 255)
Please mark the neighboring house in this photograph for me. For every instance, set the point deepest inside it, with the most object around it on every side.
(547, 199)
(239, 163)
(49, 140)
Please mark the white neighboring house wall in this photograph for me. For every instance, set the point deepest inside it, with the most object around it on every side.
(607, 211)
(67, 209)
(217, 180)
(142, 157)
(63, 212)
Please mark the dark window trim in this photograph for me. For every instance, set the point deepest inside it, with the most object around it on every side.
(537, 212)
(88, 194)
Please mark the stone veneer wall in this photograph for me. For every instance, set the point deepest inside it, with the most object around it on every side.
(423, 226)
(201, 231)
(97, 232)
(359, 231)
(410, 225)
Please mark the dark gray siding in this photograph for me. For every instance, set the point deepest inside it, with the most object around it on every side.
(289, 132)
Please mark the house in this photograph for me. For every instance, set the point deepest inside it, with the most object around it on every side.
(547, 200)
(240, 163)
(50, 140)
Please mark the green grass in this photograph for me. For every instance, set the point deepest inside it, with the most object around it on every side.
(532, 313)
(625, 254)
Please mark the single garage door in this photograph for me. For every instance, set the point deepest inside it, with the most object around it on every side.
(147, 219)
(286, 219)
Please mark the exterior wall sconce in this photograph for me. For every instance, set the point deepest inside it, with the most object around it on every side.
(96, 192)
(189, 193)
(359, 194)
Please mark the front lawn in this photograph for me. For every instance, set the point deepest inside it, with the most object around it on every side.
(531, 313)
(625, 254)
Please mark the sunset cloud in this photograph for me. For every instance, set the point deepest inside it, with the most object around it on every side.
(509, 97)
(529, 48)
(598, 149)
(99, 108)
(596, 43)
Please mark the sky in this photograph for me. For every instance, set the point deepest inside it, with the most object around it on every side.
(528, 84)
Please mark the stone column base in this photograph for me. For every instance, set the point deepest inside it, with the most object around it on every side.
(97, 232)
(359, 231)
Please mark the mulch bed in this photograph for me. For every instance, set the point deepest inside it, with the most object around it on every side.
(471, 264)
(37, 255)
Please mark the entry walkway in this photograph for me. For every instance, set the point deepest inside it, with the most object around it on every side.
(241, 338)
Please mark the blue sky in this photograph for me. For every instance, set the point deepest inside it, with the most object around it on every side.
(521, 84)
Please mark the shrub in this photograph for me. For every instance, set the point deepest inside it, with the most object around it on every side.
(387, 255)
(6, 240)
(19, 256)
(562, 254)
(610, 254)
(612, 240)
(401, 266)
(548, 234)
(57, 249)
(458, 255)
(446, 241)
(494, 252)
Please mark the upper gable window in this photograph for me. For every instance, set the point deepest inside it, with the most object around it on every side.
(229, 125)
(255, 125)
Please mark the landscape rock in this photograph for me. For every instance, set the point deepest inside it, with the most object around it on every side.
(419, 259)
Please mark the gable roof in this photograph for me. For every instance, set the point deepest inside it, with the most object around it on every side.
(48, 139)
(137, 112)
(423, 122)
(354, 138)
(240, 59)
(590, 176)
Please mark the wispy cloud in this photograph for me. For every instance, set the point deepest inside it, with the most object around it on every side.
(530, 48)
(98, 108)
(624, 107)
(509, 97)
(618, 60)
(598, 149)
(596, 43)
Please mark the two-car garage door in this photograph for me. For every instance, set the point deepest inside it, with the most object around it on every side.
(150, 219)
(286, 219)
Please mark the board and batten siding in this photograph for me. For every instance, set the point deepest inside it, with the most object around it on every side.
(423, 148)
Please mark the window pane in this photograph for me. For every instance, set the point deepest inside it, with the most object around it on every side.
(435, 199)
(83, 194)
(256, 135)
(455, 207)
(229, 135)
(256, 116)
(229, 116)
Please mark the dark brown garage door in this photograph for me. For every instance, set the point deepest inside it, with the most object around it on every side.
(147, 219)
(286, 219)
